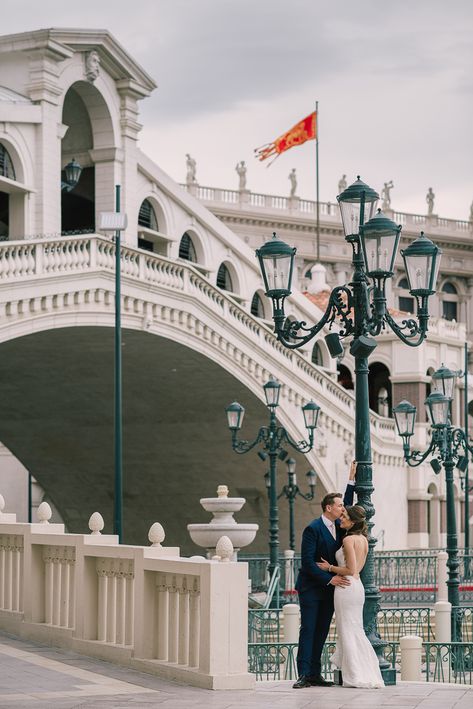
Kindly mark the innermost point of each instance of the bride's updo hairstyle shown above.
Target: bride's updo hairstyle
(357, 515)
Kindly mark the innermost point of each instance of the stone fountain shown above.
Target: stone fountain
(222, 523)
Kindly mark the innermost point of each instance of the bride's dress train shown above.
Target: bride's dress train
(354, 655)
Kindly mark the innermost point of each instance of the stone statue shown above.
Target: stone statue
(293, 181)
(386, 197)
(342, 184)
(430, 202)
(191, 170)
(471, 212)
(92, 65)
(241, 172)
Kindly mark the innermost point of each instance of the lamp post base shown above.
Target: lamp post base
(389, 676)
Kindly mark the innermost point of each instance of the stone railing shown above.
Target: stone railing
(145, 607)
(244, 199)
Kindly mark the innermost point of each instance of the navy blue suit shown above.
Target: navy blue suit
(315, 590)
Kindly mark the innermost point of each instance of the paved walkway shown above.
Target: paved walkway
(34, 676)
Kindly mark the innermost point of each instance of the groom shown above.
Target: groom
(322, 538)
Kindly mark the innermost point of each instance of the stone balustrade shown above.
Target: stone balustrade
(328, 210)
(145, 607)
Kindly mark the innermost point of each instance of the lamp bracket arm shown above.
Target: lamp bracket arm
(241, 446)
(409, 332)
(416, 458)
(295, 334)
(306, 495)
(459, 439)
(300, 446)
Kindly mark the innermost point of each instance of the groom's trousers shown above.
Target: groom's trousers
(316, 615)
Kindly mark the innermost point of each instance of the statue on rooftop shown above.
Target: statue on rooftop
(385, 194)
(342, 184)
(191, 170)
(241, 172)
(293, 181)
(471, 212)
(430, 197)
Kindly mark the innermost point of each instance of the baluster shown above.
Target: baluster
(48, 587)
(130, 604)
(173, 624)
(70, 248)
(194, 624)
(64, 595)
(8, 575)
(16, 577)
(121, 607)
(72, 605)
(162, 629)
(183, 637)
(112, 607)
(91, 253)
(7, 269)
(102, 604)
(17, 261)
(37, 253)
(57, 588)
(2, 574)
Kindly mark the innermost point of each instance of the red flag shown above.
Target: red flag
(298, 134)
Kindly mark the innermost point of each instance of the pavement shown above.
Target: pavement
(35, 676)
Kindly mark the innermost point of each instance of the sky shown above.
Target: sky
(393, 81)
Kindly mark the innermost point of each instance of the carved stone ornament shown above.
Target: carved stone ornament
(92, 65)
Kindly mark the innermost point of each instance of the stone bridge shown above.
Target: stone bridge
(189, 349)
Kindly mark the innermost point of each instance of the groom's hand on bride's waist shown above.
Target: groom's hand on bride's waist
(340, 581)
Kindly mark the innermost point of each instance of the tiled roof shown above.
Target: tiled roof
(321, 299)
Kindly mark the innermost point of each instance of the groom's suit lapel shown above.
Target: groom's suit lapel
(327, 535)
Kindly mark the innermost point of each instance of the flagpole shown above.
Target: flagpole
(317, 178)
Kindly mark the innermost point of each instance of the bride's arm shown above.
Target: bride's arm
(350, 558)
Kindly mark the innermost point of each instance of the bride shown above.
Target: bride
(354, 654)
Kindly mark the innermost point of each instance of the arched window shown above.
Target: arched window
(344, 377)
(449, 301)
(147, 216)
(224, 280)
(187, 249)
(257, 308)
(406, 301)
(317, 357)
(379, 384)
(6, 164)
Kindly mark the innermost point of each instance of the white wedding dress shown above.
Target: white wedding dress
(354, 655)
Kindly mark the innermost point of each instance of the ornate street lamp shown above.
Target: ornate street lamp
(291, 491)
(450, 447)
(72, 172)
(360, 309)
(272, 438)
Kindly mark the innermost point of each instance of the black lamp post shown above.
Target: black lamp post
(450, 447)
(273, 438)
(360, 308)
(291, 491)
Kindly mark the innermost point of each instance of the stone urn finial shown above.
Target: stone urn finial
(222, 491)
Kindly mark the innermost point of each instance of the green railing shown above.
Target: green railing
(276, 661)
(266, 625)
(449, 662)
(410, 576)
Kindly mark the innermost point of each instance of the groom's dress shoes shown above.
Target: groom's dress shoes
(302, 683)
(319, 681)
